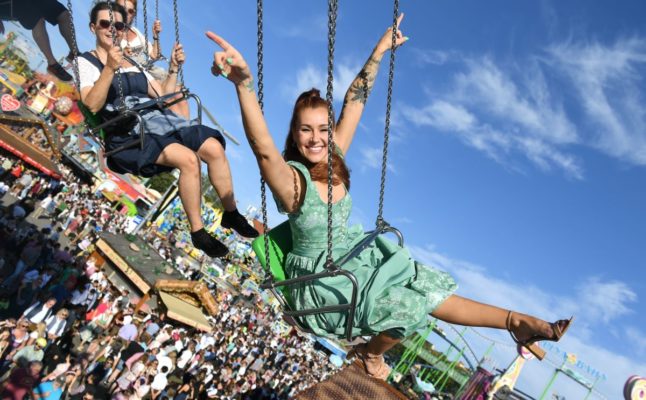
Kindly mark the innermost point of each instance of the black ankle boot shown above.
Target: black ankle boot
(211, 246)
(234, 220)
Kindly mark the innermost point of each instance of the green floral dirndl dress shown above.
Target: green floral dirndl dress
(395, 294)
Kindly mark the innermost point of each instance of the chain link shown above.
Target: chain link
(75, 61)
(263, 188)
(331, 36)
(384, 159)
(113, 30)
(145, 8)
(180, 69)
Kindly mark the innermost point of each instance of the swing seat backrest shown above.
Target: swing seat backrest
(91, 119)
(280, 244)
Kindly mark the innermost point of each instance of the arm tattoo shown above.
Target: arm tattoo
(363, 83)
(250, 85)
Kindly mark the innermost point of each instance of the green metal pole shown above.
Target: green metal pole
(489, 350)
(551, 382)
(590, 389)
(410, 355)
(447, 373)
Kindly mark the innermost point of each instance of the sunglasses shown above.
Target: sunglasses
(105, 24)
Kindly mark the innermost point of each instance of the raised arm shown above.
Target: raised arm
(281, 178)
(94, 96)
(156, 51)
(169, 85)
(358, 92)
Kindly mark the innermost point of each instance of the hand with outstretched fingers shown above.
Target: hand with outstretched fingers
(386, 41)
(229, 62)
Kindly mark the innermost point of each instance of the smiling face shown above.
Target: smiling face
(311, 134)
(131, 9)
(103, 31)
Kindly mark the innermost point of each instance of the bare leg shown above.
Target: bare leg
(190, 190)
(371, 357)
(462, 311)
(65, 29)
(181, 108)
(212, 153)
(39, 32)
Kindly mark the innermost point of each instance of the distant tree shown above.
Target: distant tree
(161, 182)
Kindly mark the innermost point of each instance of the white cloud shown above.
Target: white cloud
(638, 339)
(478, 283)
(533, 110)
(433, 57)
(608, 80)
(519, 109)
(314, 29)
(497, 144)
(442, 115)
(605, 301)
(487, 109)
(371, 158)
(316, 77)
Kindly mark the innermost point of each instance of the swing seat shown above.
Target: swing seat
(280, 243)
(95, 125)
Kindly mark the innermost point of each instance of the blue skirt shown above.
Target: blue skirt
(140, 162)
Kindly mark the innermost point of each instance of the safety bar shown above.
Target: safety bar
(132, 112)
(295, 314)
(330, 271)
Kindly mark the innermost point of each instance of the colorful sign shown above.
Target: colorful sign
(29, 160)
(635, 388)
(509, 378)
(9, 103)
(574, 361)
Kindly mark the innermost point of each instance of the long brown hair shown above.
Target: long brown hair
(312, 99)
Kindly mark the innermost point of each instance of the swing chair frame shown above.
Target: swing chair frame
(272, 247)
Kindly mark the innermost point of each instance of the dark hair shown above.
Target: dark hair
(104, 5)
(312, 99)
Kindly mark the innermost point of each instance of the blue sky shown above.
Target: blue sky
(518, 154)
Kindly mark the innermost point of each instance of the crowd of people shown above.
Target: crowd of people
(66, 331)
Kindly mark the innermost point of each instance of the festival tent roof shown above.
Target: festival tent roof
(12, 81)
(184, 312)
(13, 77)
(31, 155)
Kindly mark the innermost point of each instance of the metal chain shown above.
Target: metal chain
(384, 158)
(113, 30)
(160, 55)
(180, 69)
(263, 188)
(331, 36)
(144, 5)
(75, 61)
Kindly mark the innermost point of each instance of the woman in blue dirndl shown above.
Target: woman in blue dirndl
(107, 80)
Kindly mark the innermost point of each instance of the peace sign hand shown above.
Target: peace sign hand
(229, 63)
(386, 41)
